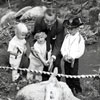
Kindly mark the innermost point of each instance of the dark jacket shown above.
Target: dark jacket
(55, 35)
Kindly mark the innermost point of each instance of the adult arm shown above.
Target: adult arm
(58, 41)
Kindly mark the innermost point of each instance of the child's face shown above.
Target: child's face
(72, 31)
(41, 40)
(21, 35)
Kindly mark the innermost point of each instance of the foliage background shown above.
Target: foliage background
(89, 15)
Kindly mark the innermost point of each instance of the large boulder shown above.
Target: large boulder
(34, 12)
(47, 90)
(8, 18)
(22, 11)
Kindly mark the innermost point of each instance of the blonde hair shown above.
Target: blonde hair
(21, 27)
(40, 34)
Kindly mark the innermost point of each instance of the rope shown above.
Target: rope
(49, 73)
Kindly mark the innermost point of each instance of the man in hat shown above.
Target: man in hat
(72, 49)
(55, 35)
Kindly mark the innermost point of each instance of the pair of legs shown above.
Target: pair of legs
(57, 63)
(35, 64)
(73, 83)
(35, 76)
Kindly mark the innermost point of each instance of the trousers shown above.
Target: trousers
(73, 83)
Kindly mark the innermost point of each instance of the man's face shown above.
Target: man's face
(49, 20)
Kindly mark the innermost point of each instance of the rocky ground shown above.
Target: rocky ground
(8, 90)
(91, 87)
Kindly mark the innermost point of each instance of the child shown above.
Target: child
(38, 56)
(16, 48)
(72, 49)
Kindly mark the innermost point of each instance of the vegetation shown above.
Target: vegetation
(86, 9)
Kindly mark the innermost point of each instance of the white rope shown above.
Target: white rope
(49, 73)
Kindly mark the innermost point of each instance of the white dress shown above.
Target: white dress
(35, 63)
(13, 46)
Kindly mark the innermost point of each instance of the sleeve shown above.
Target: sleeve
(58, 41)
(81, 48)
(64, 48)
(49, 53)
(12, 48)
(36, 48)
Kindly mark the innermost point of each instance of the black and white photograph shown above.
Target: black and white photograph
(49, 49)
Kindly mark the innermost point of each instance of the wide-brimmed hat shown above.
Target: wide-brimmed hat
(72, 23)
(40, 34)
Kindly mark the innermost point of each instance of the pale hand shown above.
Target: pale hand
(68, 58)
(47, 63)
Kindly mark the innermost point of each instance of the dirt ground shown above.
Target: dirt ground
(90, 86)
(8, 90)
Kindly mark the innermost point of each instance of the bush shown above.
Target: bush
(2, 2)
(79, 1)
(23, 3)
(93, 13)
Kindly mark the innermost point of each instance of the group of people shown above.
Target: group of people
(53, 41)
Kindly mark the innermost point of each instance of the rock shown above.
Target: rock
(34, 12)
(91, 40)
(7, 18)
(22, 11)
(47, 90)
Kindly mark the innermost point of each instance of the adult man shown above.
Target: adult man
(55, 35)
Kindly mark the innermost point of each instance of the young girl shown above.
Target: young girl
(38, 56)
(16, 48)
(72, 49)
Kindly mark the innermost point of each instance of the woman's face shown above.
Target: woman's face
(41, 40)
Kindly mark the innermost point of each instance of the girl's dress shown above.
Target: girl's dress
(35, 62)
